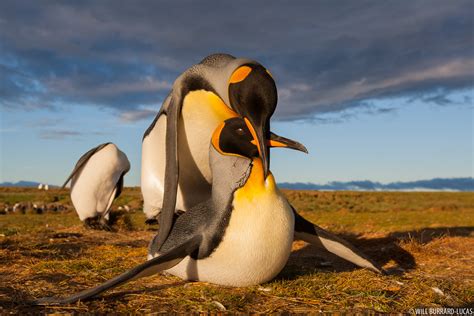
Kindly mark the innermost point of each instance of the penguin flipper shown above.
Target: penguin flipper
(119, 186)
(314, 234)
(163, 262)
(82, 161)
(173, 113)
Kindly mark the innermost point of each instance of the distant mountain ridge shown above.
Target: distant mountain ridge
(24, 184)
(437, 184)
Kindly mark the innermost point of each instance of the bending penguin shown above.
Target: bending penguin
(176, 174)
(241, 236)
(96, 181)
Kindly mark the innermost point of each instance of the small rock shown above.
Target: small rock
(219, 306)
(264, 289)
(399, 283)
(437, 290)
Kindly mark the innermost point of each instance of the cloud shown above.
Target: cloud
(137, 115)
(326, 56)
(58, 134)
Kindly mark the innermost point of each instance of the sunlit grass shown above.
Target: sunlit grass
(425, 241)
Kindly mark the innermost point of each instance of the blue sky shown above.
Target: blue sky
(376, 90)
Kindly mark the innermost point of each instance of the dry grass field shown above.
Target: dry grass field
(424, 240)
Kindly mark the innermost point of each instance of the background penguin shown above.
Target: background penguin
(175, 146)
(97, 179)
(241, 236)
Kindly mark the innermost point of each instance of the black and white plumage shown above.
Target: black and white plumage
(97, 179)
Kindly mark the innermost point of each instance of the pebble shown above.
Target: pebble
(219, 305)
(437, 290)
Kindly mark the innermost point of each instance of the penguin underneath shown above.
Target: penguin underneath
(96, 181)
(241, 236)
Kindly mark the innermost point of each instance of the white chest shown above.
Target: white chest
(255, 247)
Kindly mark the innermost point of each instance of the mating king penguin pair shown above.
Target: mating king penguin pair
(176, 171)
(96, 181)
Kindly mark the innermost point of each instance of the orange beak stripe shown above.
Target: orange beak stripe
(271, 143)
(240, 74)
(274, 143)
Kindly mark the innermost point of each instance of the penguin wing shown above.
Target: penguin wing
(119, 186)
(163, 262)
(314, 234)
(172, 110)
(83, 160)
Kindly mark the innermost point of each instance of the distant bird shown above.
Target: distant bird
(40, 186)
(97, 179)
(46, 187)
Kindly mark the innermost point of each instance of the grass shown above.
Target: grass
(424, 240)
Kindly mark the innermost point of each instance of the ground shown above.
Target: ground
(424, 240)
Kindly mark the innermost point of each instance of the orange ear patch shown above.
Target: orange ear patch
(240, 74)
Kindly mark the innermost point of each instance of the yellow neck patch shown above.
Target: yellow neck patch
(256, 185)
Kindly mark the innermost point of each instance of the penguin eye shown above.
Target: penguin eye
(240, 131)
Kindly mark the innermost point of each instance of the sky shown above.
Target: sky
(376, 90)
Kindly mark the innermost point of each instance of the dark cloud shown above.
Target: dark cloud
(326, 56)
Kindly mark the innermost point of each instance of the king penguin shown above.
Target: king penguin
(96, 181)
(241, 236)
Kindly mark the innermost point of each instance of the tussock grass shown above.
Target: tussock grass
(424, 240)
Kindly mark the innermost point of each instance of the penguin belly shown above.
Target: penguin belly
(255, 246)
(93, 186)
(202, 112)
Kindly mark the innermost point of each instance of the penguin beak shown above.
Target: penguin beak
(279, 141)
(259, 135)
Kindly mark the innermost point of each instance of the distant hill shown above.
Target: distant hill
(437, 184)
(23, 184)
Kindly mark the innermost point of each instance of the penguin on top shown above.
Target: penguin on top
(96, 181)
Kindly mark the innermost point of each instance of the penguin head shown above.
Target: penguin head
(253, 95)
(237, 137)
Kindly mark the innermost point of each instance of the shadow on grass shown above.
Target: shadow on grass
(382, 250)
